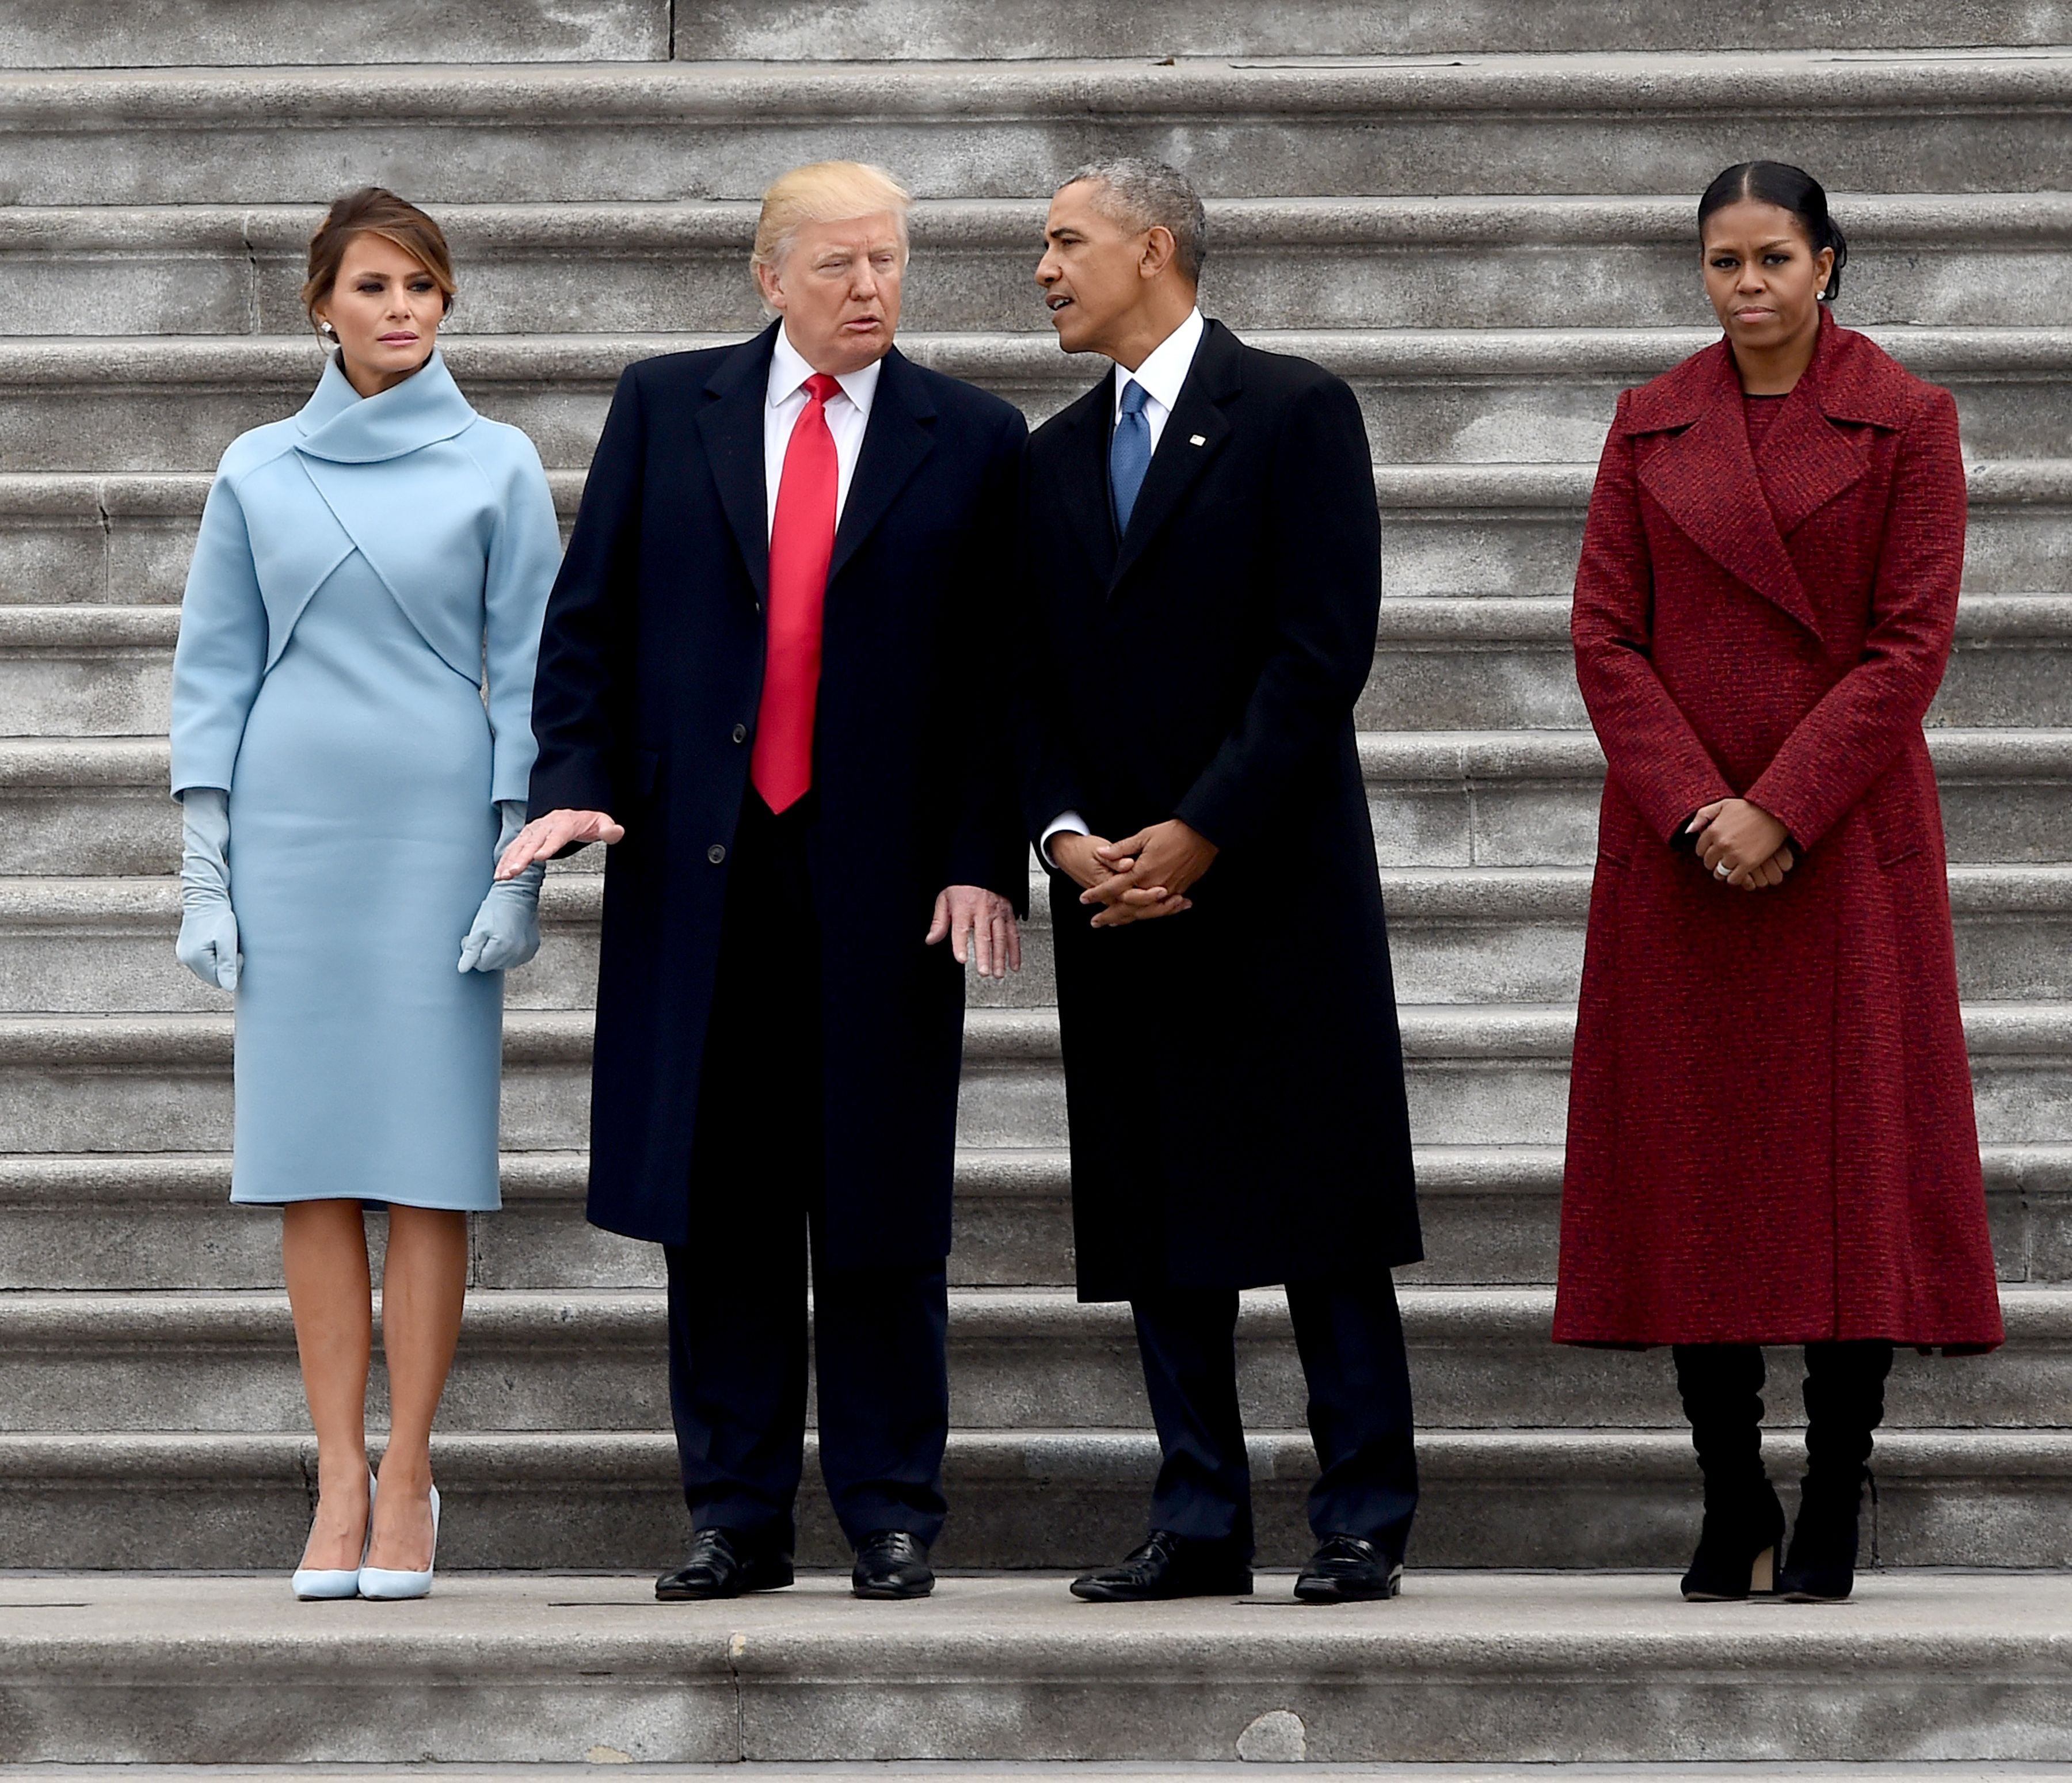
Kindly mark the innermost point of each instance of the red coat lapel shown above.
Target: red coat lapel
(1704, 477)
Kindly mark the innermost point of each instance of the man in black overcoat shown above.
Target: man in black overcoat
(764, 680)
(1203, 552)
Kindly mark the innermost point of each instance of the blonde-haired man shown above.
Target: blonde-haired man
(764, 679)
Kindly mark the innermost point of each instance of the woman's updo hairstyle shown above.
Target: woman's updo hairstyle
(375, 211)
(1790, 189)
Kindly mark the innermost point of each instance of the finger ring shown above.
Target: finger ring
(1722, 871)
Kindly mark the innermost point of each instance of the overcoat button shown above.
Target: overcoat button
(715, 854)
(740, 734)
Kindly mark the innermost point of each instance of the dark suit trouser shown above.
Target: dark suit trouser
(1350, 1337)
(737, 1325)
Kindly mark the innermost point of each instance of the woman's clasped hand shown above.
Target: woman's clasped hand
(1741, 844)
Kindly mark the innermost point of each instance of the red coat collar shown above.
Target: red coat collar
(1705, 477)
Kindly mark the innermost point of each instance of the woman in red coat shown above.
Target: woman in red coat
(1770, 1130)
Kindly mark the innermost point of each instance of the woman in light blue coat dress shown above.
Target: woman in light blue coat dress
(352, 741)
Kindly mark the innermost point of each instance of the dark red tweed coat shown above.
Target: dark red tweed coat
(1771, 1131)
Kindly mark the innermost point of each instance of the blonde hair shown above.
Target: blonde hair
(825, 192)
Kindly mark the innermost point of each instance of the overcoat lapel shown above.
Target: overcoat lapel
(1083, 453)
(1704, 479)
(731, 426)
(898, 437)
(1195, 432)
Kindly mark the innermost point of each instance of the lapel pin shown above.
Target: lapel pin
(1199, 439)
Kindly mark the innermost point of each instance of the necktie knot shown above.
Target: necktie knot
(1134, 397)
(820, 387)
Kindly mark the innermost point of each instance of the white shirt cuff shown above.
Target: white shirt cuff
(1065, 823)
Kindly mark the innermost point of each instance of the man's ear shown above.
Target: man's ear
(766, 281)
(1158, 248)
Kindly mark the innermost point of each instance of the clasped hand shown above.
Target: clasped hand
(1751, 845)
(1137, 878)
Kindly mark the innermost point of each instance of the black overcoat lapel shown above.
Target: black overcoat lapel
(731, 426)
(896, 441)
(1083, 431)
(1195, 432)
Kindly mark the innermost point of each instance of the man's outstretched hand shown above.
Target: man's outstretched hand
(545, 837)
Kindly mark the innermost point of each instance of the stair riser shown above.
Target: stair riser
(131, 969)
(1508, 822)
(1246, 137)
(130, 559)
(1505, 1236)
(515, 289)
(1476, 1511)
(587, 1369)
(239, 33)
(252, 32)
(892, 29)
(1411, 419)
(82, 691)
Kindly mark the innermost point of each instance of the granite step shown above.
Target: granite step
(91, 806)
(1478, 1075)
(1478, 934)
(162, 1220)
(255, 33)
(1447, 529)
(1626, 122)
(609, 1500)
(566, 1358)
(1466, 262)
(1440, 663)
(1429, 396)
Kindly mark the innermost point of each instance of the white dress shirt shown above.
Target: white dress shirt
(1162, 376)
(849, 414)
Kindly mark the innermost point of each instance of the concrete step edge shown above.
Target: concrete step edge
(1638, 83)
(519, 1460)
(84, 1321)
(102, 497)
(245, 362)
(1449, 757)
(993, 1038)
(1934, 220)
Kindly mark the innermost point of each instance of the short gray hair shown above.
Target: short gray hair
(1151, 195)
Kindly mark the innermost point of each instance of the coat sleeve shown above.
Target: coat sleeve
(1654, 754)
(1326, 598)
(580, 681)
(988, 848)
(523, 552)
(1837, 752)
(220, 657)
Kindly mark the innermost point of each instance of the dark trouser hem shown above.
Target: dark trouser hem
(1350, 1337)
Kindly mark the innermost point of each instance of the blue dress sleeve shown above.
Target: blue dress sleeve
(221, 655)
(524, 552)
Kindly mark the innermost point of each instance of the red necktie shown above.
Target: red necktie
(802, 542)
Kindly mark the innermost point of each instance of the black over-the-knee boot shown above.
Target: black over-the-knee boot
(1844, 1403)
(1721, 1385)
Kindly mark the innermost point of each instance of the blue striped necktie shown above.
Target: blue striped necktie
(1129, 452)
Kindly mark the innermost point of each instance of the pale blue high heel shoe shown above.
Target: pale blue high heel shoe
(386, 1585)
(313, 1583)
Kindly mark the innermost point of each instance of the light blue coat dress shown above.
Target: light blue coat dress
(355, 666)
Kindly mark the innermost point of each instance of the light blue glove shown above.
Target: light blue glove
(506, 927)
(207, 945)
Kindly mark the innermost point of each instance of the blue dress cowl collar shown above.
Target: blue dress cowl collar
(339, 424)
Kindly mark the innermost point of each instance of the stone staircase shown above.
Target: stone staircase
(1483, 222)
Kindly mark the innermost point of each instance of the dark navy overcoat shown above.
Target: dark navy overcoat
(1233, 1073)
(650, 672)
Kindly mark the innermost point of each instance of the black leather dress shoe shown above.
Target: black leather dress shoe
(1170, 1565)
(892, 1563)
(724, 1563)
(1346, 1570)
